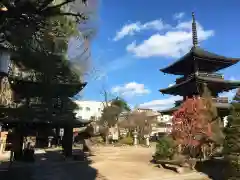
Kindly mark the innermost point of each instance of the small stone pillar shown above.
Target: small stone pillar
(2, 145)
(225, 121)
(3, 137)
(135, 135)
(147, 136)
(50, 141)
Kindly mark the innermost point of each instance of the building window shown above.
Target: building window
(88, 109)
(99, 109)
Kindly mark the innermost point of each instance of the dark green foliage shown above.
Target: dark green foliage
(112, 110)
(49, 48)
(165, 148)
(29, 17)
(211, 114)
(45, 29)
(126, 140)
(121, 103)
(232, 140)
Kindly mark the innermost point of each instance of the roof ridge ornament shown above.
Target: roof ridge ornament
(194, 31)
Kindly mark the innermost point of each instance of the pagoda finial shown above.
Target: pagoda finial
(194, 31)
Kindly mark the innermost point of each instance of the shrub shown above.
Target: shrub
(97, 140)
(232, 144)
(126, 140)
(165, 148)
(142, 140)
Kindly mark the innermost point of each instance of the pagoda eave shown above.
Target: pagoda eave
(38, 89)
(205, 61)
(60, 123)
(223, 108)
(33, 116)
(191, 86)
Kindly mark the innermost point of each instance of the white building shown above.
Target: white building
(165, 119)
(89, 109)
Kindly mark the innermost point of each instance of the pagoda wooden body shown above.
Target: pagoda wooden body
(200, 67)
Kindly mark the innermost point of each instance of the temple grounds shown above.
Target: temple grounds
(132, 163)
(108, 163)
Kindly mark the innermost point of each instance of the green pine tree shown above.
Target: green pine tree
(232, 140)
(212, 115)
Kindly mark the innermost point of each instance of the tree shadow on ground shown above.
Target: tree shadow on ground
(49, 166)
(214, 168)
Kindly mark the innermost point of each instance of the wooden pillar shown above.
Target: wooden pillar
(18, 142)
(68, 140)
(57, 136)
(3, 138)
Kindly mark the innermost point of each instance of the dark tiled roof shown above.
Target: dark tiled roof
(206, 61)
(218, 106)
(190, 85)
(34, 89)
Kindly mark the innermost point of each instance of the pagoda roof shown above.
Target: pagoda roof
(39, 116)
(218, 105)
(61, 123)
(29, 88)
(191, 84)
(200, 59)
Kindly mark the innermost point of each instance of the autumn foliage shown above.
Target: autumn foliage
(191, 126)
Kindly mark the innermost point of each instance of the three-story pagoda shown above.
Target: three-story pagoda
(199, 67)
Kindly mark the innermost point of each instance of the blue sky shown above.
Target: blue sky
(135, 38)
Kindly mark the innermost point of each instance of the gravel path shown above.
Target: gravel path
(132, 163)
(109, 163)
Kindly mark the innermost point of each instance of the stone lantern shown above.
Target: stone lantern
(135, 135)
(50, 138)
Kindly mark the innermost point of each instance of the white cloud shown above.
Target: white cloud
(179, 15)
(229, 94)
(131, 29)
(131, 89)
(161, 104)
(173, 43)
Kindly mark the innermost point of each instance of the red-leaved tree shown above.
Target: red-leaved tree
(190, 124)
